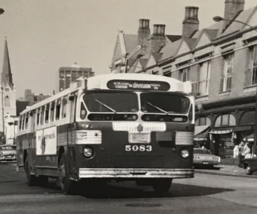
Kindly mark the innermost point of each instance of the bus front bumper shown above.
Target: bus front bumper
(135, 173)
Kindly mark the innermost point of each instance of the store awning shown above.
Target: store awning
(250, 138)
(224, 131)
(201, 133)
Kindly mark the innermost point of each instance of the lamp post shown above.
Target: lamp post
(218, 19)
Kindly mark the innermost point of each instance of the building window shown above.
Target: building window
(204, 78)
(225, 120)
(184, 74)
(226, 81)
(251, 71)
(247, 118)
(202, 121)
(7, 101)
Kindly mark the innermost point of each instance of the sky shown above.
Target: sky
(44, 35)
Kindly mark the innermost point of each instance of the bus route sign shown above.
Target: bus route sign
(138, 84)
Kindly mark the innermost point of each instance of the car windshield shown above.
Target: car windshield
(202, 151)
(164, 103)
(111, 102)
(7, 148)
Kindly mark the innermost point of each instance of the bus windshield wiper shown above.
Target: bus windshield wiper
(161, 110)
(106, 106)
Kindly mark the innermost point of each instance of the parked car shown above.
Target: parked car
(250, 165)
(7, 153)
(203, 157)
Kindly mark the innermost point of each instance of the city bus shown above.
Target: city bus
(122, 127)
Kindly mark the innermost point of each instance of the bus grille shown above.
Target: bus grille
(184, 138)
(136, 127)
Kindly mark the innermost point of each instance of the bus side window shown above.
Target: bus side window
(20, 122)
(23, 122)
(52, 111)
(58, 108)
(26, 120)
(38, 113)
(64, 106)
(46, 113)
(42, 115)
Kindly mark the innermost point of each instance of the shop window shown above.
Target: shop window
(225, 120)
(247, 118)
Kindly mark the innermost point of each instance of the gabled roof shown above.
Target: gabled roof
(190, 42)
(174, 38)
(233, 27)
(170, 50)
(130, 42)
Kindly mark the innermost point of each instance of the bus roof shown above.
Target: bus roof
(125, 81)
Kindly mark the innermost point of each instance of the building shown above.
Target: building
(221, 62)
(8, 98)
(32, 98)
(66, 75)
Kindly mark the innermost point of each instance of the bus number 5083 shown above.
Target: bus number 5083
(140, 148)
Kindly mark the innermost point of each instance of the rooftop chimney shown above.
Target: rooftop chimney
(232, 8)
(191, 22)
(158, 38)
(143, 31)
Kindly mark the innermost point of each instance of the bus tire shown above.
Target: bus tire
(31, 179)
(68, 186)
(42, 180)
(162, 186)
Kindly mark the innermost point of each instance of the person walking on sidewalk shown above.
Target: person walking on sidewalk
(240, 156)
(235, 156)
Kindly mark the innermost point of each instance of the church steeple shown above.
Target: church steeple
(6, 71)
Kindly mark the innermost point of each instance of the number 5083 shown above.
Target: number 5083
(140, 148)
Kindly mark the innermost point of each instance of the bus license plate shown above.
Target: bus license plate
(206, 163)
(139, 138)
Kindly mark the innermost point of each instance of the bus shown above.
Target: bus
(121, 127)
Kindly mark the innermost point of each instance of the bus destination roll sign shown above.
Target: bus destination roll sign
(137, 84)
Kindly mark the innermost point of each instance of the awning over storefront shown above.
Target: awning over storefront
(250, 138)
(201, 133)
(224, 131)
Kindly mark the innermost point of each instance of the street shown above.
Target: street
(202, 194)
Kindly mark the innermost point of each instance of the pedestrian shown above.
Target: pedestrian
(236, 156)
(240, 157)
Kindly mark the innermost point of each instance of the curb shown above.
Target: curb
(225, 174)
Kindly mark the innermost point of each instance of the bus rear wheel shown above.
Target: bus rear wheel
(68, 186)
(31, 179)
(162, 186)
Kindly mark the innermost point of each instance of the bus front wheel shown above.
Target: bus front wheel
(31, 179)
(162, 186)
(68, 186)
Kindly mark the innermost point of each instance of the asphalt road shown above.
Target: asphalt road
(202, 194)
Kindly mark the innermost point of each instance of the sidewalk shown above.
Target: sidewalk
(226, 170)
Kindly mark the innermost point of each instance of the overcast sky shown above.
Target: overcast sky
(44, 35)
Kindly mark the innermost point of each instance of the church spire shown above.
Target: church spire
(6, 71)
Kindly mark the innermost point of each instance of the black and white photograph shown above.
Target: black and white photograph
(128, 106)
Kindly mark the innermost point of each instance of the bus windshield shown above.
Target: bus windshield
(164, 103)
(111, 102)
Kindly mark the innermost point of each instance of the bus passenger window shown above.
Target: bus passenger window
(23, 121)
(26, 121)
(64, 106)
(38, 111)
(58, 108)
(52, 112)
(47, 113)
(42, 115)
(20, 122)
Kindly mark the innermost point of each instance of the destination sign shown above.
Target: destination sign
(138, 84)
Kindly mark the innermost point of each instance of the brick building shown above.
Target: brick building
(66, 75)
(221, 62)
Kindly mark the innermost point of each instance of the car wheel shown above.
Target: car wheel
(248, 170)
(68, 186)
(162, 186)
(31, 179)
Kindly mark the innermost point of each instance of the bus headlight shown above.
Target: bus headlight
(88, 152)
(184, 153)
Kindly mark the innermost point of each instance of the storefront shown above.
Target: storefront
(201, 136)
